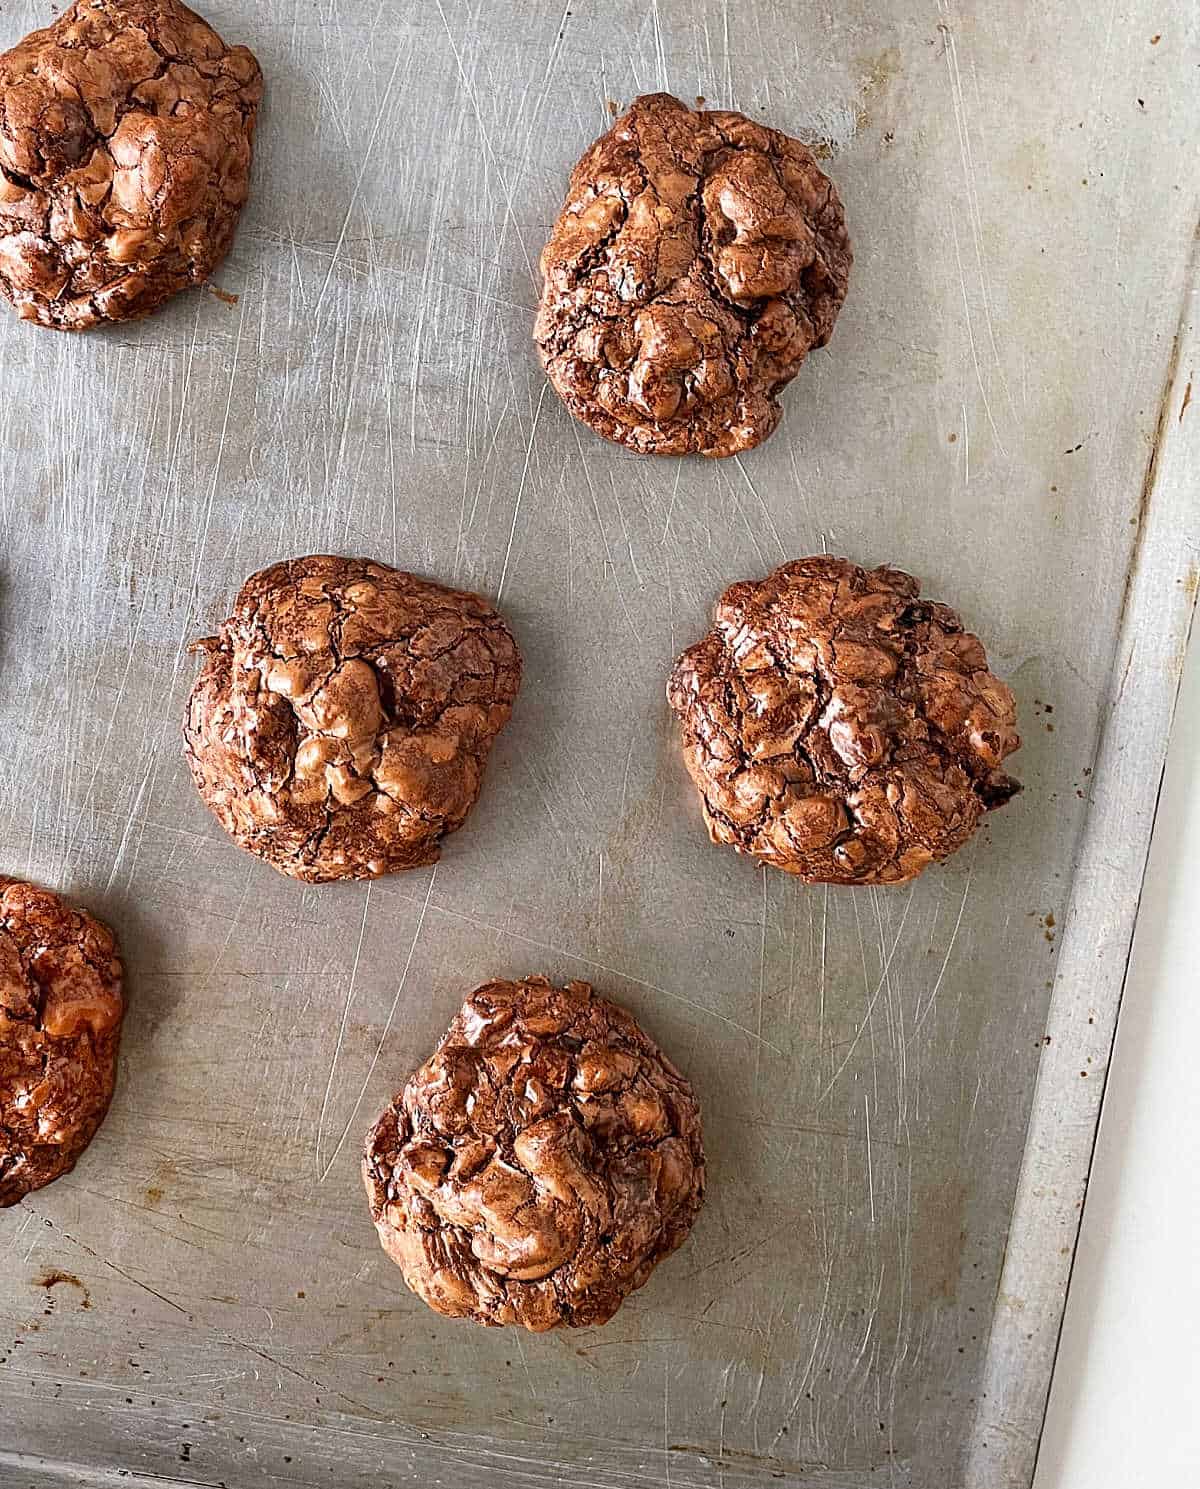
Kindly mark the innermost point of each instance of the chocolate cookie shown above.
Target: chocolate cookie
(538, 1168)
(696, 261)
(125, 133)
(342, 719)
(841, 728)
(60, 1022)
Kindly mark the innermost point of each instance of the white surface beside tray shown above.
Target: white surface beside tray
(1123, 1404)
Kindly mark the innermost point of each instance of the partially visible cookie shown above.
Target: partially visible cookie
(696, 261)
(61, 1006)
(343, 716)
(841, 728)
(125, 133)
(541, 1164)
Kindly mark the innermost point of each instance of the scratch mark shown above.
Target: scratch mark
(489, 151)
(666, 1399)
(202, 543)
(974, 1104)
(821, 996)
(271, 1359)
(341, 1034)
(233, 926)
(762, 980)
(358, 181)
(660, 58)
(525, 1366)
(134, 810)
(671, 507)
(558, 41)
(798, 1396)
(872, 1314)
(870, 1164)
(724, 1408)
(729, 95)
(928, 1009)
(387, 1022)
(737, 460)
(19, 1232)
(866, 1019)
(746, 523)
(739, 1255)
(573, 956)
(599, 892)
(956, 93)
(512, 532)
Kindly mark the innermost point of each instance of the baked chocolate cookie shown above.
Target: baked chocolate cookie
(341, 722)
(61, 1007)
(538, 1168)
(125, 132)
(697, 260)
(841, 728)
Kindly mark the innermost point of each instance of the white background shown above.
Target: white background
(1123, 1408)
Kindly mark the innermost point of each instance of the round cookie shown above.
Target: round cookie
(537, 1169)
(841, 728)
(125, 131)
(341, 722)
(697, 260)
(61, 1007)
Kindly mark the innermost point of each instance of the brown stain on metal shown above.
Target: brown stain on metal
(164, 1175)
(939, 1210)
(879, 70)
(726, 1457)
(1187, 398)
(1160, 426)
(53, 1277)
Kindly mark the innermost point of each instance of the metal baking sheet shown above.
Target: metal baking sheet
(1003, 411)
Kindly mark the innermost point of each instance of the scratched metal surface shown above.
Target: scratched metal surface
(1017, 178)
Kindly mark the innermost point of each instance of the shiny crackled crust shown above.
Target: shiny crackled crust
(841, 728)
(341, 722)
(60, 1022)
(125, 134)
(541, 1164)
(697, 260)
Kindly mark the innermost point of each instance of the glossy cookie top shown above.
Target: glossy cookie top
(697, 260)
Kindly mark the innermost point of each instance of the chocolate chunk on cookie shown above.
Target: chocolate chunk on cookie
(697, 260)
(125, 131)
(61, 1006)
(341, 722)
(841, 728)
(538, 1168)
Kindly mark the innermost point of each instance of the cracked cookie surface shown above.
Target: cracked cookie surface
(541, 1164)
(61, 1006)
(697, 260)
(341, 722)
(841, 728)
(125, 140)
